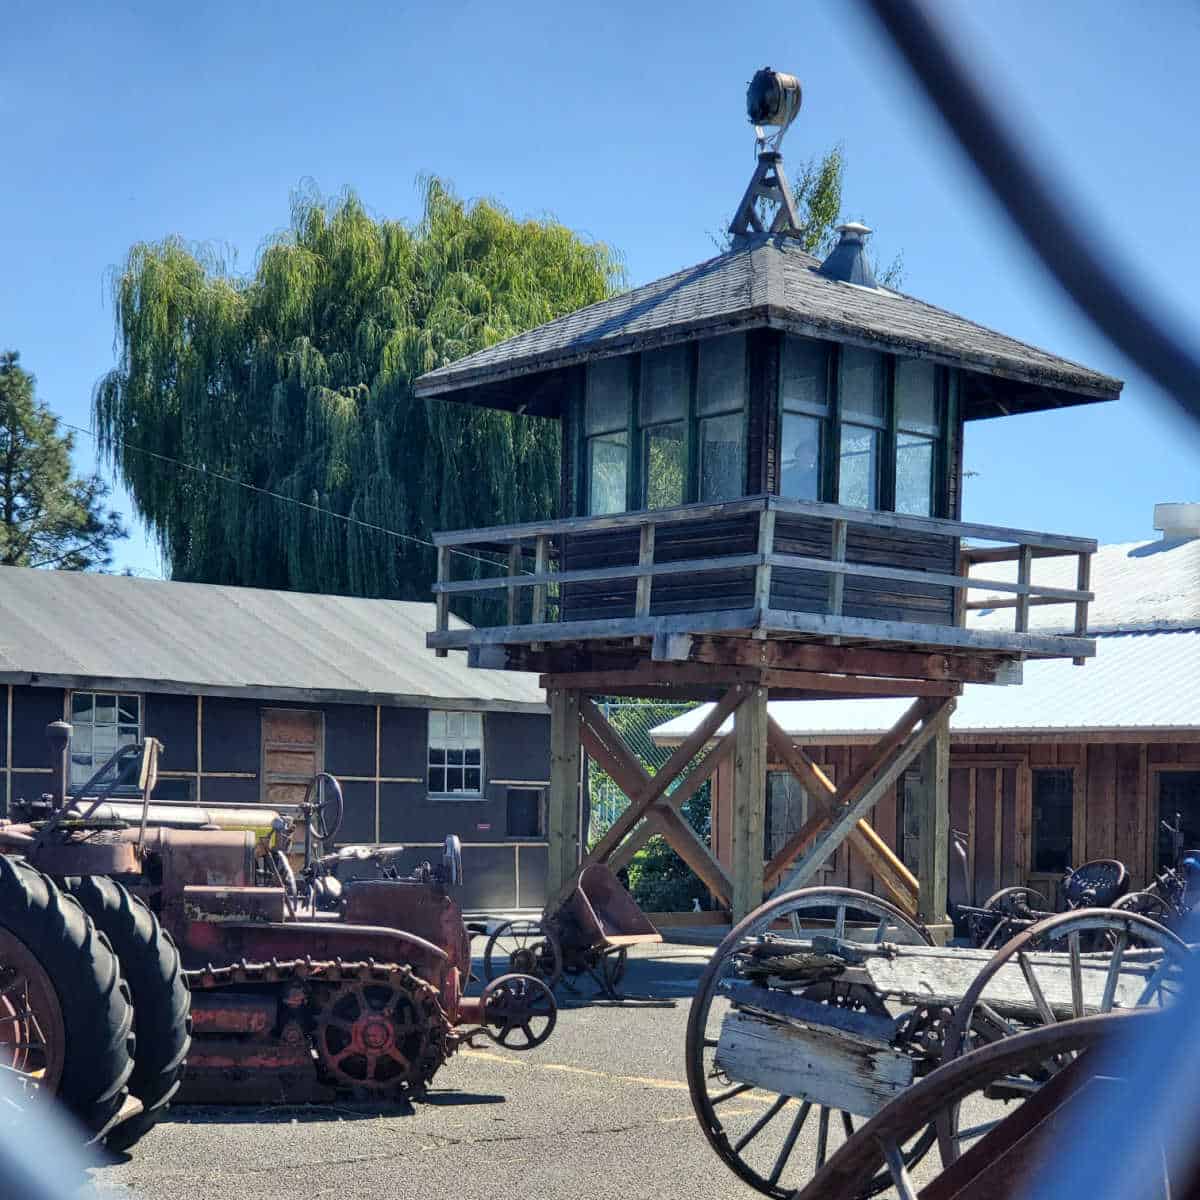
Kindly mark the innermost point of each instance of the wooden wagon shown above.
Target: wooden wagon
(826, 1007)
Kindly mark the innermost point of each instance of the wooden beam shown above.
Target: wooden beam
(891, 755)
(649, 788)
(881, 860)
(853, 660)
(934, 803)
(645, 559)
(684, 840)
(749, 802)
(563, 831)
(688, 786)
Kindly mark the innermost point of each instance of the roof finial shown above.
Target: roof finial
(773, 98)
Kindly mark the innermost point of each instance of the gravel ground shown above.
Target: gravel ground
(601, 1110)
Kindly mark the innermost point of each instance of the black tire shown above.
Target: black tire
(161, 1001)
(96, 1008)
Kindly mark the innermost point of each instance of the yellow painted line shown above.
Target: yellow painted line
(671, 1085)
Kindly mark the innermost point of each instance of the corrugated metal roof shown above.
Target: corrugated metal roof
(769, 281)
(1139, 586)
(1136, 682)
(69, 628)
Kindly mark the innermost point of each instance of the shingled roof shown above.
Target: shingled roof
(766, 282)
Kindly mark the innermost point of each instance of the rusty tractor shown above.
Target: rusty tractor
(137, 935)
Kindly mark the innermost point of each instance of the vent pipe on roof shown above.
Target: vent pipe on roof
(1177, 520)
(847, 261)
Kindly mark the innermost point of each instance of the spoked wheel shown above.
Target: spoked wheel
(32, 1035)
(965, 1083)
(1147, 904)
(381, 1037)
(523, 948)
(1011, 903)
(770, 1127)
(1074, 965)
(522, 1010)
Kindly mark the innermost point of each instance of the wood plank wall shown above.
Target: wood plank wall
(1115, 811)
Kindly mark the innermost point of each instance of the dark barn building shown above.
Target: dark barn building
(253, 691)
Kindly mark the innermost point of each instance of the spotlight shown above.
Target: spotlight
(772, 98)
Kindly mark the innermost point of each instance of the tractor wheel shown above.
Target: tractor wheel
(161, 1000)
(60, 981)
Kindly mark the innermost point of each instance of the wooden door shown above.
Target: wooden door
(292, 753)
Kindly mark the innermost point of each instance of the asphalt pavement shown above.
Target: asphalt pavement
(600, 1110)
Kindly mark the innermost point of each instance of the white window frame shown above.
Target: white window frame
(77, 726)
(450, 731)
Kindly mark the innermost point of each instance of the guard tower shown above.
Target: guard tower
(760, 496)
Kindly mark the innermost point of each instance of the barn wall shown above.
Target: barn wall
(213, 753)
(1115, 809)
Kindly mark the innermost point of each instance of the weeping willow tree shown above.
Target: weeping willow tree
(298, 379)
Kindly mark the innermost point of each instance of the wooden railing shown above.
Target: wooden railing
(836, 526)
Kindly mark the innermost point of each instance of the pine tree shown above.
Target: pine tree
(298, 380)
(48, 516)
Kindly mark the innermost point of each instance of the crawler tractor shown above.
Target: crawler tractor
(136, 937)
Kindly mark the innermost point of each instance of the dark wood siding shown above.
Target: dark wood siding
(762, 425)
(172, 719)
(34, 709)
(350, 739)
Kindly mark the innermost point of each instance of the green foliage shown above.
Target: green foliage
(48, 516)
(298, 380)
(658, 878)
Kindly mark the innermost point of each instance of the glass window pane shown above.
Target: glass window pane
(608, 394)
(721, 385)
(437, 727)
(454, 757)
(916, 395)
(1053, 807)
(858, 481)
(472, 758)
(127, 735)
(721, 457)
(914, 474)
(106, 710)
(437, 779)
(473, 726)
(81, 743)
(663, 466)
(608, 466)
(471, 779)
(104, 742)
(665, 384)
(800, 460)
(81, 707)
(861, 383)
(454, 779)
(437, 756)
(127, 710)
(454, 725)
(804, 375)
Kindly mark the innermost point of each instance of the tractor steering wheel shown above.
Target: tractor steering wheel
(324, 818)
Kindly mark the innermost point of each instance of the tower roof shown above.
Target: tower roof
(767, 281)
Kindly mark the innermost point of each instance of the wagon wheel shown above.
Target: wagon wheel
(32, 1034)
(1050, 973)
(1148, 904)
(769, 1138)
(1011, 903)
(968, 1079)
(523, 948)
(523, 1010)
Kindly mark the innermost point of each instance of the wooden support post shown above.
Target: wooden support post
(1083, 584)
(749, 801)
(766, 547)
(563, 818)
(645, 559)
(541, 560)
(1024, 571)
(443, 598)
(514, 569)
(837, 581)
(934, 801)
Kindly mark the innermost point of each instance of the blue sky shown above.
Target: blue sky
(130, 121)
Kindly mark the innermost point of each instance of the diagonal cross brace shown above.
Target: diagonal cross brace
(872, 786)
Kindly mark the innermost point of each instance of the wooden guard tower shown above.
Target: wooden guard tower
(760, 497)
